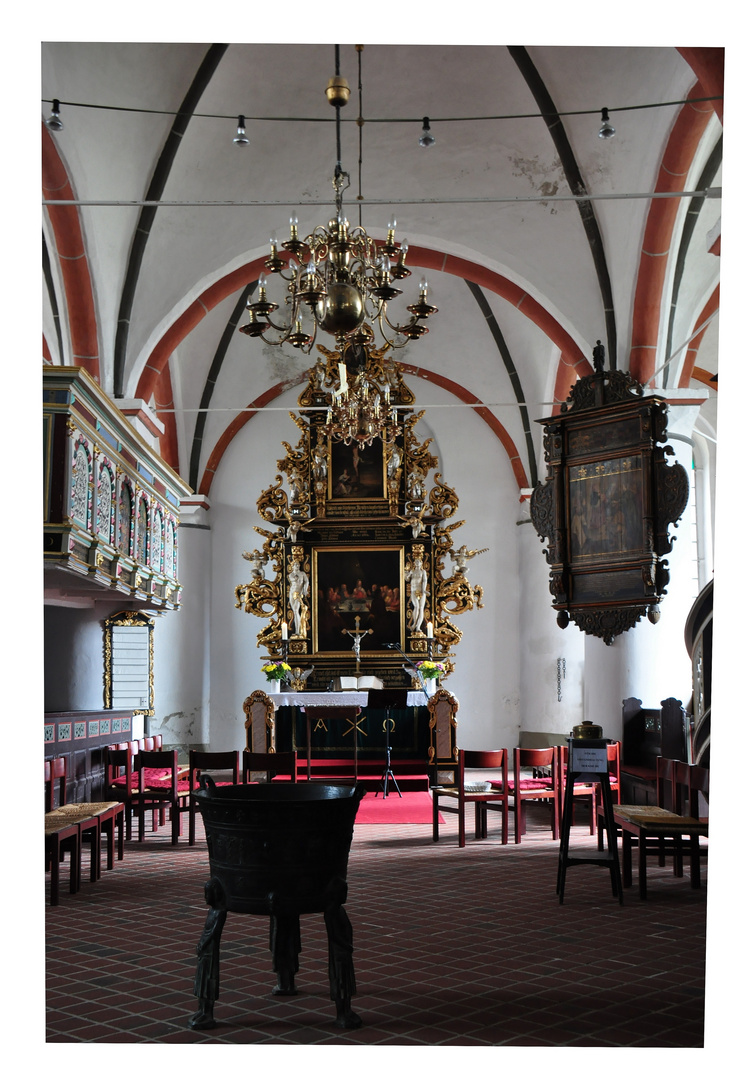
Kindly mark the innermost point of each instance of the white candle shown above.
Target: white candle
(429, 629)
(284, 631)
(343, 375)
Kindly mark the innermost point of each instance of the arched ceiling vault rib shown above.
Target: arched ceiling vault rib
(578, 187)
(682, 145)
(688, 370)
(168, 442)
(148, 213)
(708, 65)
(695, 207)
(71, 253)
(210, 383)
(572, 363)
(511, 371)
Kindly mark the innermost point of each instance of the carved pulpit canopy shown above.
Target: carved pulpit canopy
(607, 503)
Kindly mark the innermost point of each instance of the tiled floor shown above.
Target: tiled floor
(464, 948)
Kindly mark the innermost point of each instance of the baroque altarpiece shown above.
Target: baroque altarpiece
(359, 564)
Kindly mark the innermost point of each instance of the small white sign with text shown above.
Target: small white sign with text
(591, 759)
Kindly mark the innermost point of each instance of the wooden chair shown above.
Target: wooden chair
(89, 824)
(485, 794)
(544, 787)
(60, 838)
(259, 726)
(95, 819)
(666, 800)
(661, 829)
(614, 777)
(121, 779)
(269, 766)
(160, 787)
(691, 796)
(201, 761)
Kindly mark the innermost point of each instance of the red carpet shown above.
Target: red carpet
(414, 808)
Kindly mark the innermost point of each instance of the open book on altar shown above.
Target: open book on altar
(363, 682)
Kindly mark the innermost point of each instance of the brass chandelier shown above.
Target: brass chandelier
(343, 279)
(339, 280)
(362, 410)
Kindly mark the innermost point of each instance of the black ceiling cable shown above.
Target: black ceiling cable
(383, 119)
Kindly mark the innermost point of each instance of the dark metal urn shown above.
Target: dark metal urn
(279, 850)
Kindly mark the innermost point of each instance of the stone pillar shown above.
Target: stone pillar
(551, 659)
(182, 638)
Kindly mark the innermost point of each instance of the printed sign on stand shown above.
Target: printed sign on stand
(592, 759)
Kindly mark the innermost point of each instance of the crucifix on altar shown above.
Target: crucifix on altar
(357, 635)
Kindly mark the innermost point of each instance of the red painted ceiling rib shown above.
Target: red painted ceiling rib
(685, 137)
(71, 253)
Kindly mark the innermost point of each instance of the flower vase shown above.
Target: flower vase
(274, 686)
(430, 687)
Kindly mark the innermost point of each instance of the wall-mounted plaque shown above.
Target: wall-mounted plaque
(607, 503)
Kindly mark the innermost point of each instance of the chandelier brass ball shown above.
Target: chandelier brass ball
(342, 310)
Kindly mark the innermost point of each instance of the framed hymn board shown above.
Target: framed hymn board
(607, 504)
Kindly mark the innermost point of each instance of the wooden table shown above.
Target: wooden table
(641, 823)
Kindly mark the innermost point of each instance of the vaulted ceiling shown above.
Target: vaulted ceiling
(537, 237)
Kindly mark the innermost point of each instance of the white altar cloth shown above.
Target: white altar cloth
(340, 698)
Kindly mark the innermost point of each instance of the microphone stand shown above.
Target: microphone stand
(416, 672)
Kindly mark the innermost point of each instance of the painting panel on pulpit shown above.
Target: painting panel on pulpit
(606, 508)
(358, 590)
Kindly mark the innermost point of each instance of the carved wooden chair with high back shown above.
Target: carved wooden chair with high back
(485, 793)
(259, 726)
(442, 752)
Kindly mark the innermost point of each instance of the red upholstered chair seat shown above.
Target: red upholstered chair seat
(154, 778)
(541, 783)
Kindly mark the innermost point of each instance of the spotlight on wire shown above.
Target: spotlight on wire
(426, 139)
(241, 135)
(607, 131)
(53, 122)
